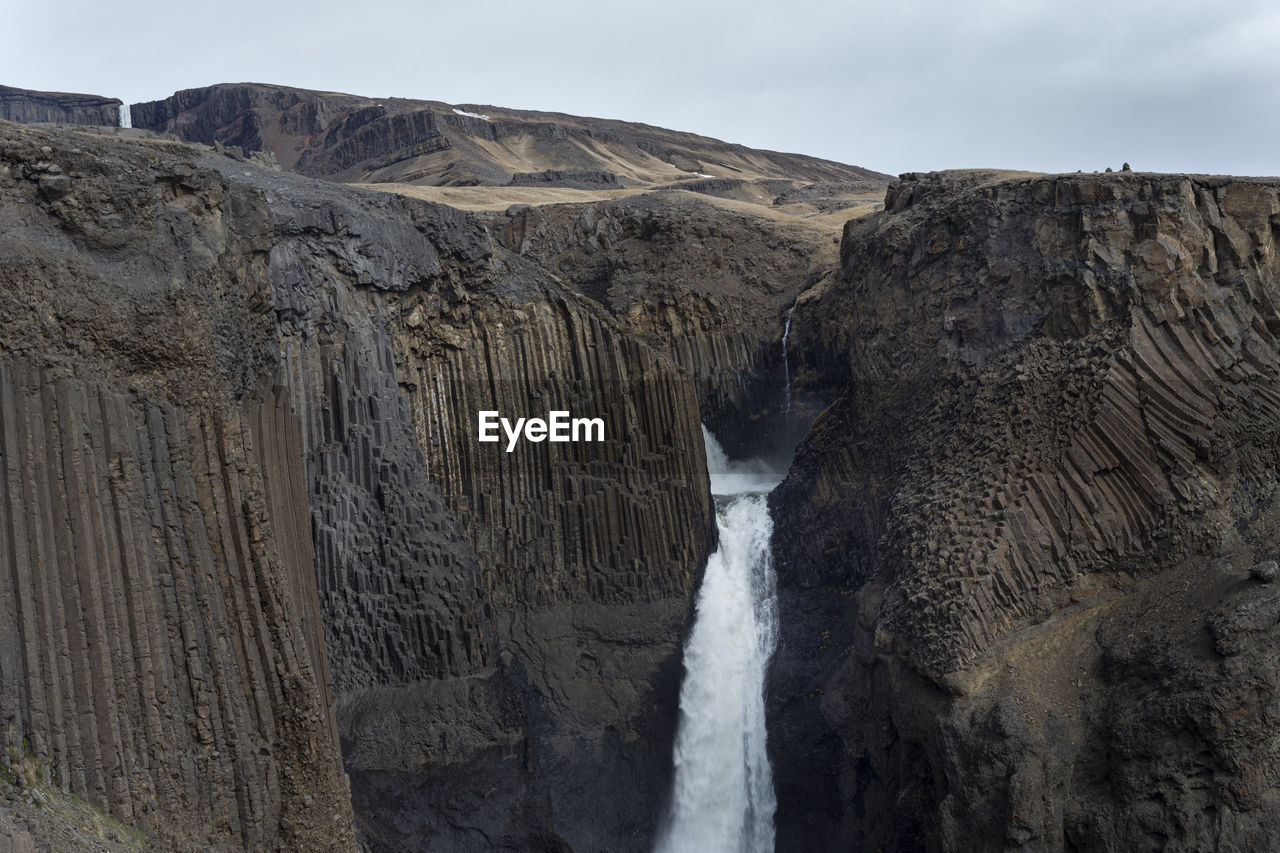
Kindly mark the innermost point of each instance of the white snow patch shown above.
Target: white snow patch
(700, 175)
(470, 115)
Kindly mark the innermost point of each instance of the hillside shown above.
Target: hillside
(428, 142)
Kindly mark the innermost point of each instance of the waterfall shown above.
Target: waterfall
(126, 118)
(786, 364)
(722, 797)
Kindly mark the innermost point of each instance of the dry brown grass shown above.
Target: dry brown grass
(486, 198)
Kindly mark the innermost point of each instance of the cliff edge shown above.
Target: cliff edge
(1015, 555)
(30, 107)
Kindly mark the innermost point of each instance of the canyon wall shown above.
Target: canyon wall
(162, 651)
(500, 622)
(262, 390)
(706, 283)
(1014, 556)
(245, 517)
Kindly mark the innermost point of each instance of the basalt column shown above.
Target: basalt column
(590, 550)
(160, 650)
(1017, 551)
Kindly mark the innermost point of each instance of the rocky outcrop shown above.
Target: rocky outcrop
(248, 374)
(1014, 556)
(162, 651)
(825, 196)
(238, 115)
(474, 597)
(706, 284)
(30, 107)
(578, 178)
(398, 579)
(350, 138)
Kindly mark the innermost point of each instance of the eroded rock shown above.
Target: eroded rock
(1059, 397)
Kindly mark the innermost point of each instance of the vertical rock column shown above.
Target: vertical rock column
(152, 658)
(398, 582)
(627, 519)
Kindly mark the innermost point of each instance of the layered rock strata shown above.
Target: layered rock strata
(1014, 556)
(351, 138)
(29, 107)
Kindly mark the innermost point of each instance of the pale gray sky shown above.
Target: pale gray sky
(1175, 85)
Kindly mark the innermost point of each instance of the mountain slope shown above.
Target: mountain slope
(379, 140)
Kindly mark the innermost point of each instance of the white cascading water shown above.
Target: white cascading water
(786, 363)
(722, 798)
(126, 117)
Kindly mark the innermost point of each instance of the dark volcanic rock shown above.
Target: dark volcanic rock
(500, 638)
(579, 178)
(247, 374)
(244, 515)
(1022, 537)
(161, 650)
(350, 138)
(709, 286)
(29, 107)
(1266, 571)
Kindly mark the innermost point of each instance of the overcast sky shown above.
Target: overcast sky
(902, 86)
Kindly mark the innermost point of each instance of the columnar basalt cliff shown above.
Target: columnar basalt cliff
(247, 350)
(1015, 555)
(27, 106)
(707, 284)
(245, 517)
(473, 596)
(162, 652)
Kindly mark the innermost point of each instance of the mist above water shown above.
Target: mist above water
(737, 477)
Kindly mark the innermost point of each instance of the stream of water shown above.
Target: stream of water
(722, 796)
(786, 360)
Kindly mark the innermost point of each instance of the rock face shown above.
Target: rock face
(1025, 555)
(498, 622)
(1014, 555)
(27, 106)
(707, 284)
(350, 138)
(219, 376)
(161, 648)
(568, 178)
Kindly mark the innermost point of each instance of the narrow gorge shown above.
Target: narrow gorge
(262, 588)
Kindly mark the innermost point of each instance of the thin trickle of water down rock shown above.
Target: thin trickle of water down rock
(722, 798)
(786, 361)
